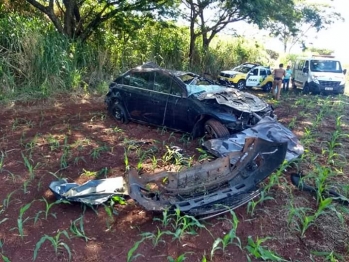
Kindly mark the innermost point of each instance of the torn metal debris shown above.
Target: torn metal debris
(204, 190)
(92, 192)
(210, 188)
(267, 128)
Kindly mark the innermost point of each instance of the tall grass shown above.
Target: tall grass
(36, 61)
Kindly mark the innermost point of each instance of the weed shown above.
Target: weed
(56, 242)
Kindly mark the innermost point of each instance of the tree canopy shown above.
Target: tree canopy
(79, 19)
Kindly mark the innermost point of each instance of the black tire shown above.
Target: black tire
(215, 129)
(118, 112)
(267, 87)
(241, 84)
(306, 89)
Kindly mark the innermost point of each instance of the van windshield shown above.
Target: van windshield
(325, 66)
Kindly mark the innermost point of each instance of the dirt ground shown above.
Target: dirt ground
(74, 138)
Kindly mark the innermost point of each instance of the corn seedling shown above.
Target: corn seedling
(259, 252)
(109, 210)
(2, 158)
(30, 167)
(20, 220)
(78, 160)
(96, 152)
(89, 173)
(77, 228)
(56, 242)
(204, 155)
(251, 206)
(127, 164)
(180, 258)
(130, 256)
(185, 225)
(222, 243)
(328, 256)
(48, 206)
(7, 200)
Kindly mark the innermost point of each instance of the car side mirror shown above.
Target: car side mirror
(345, 71)
(305, 70)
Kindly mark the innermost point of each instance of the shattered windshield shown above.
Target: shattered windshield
(331, 66)
(196, 89)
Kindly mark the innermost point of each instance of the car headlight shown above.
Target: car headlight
(315, 79)
(232, 76)
(342, 81)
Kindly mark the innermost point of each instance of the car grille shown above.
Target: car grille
(329, 83)
(224, 75)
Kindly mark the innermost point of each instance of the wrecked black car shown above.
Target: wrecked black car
(183, 101)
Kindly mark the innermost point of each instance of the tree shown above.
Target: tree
(293, 26)
(224, 12)
(321, 51)
(79, 19)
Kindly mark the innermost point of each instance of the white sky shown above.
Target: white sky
(335, 38)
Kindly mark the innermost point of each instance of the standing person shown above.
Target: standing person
(278, 76)
(286, 81)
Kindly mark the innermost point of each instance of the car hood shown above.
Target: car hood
(233, 72)
(231, 97)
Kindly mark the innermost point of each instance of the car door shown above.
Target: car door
(304, 73)
(253, 78)
(179, 115)
(299, 72)
(138, 87)
(262, 77)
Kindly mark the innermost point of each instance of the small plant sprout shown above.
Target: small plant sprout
(56, 242)
(21, 220)
(229, 238)
(259, 252)
(251, 206)
(77, 228)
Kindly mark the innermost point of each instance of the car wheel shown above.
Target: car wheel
(306, 89)
(267, 87)
(118, 112)
(241, 84)
(215, 129)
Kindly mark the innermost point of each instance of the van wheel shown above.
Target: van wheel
(215, 129)
(306, 89)
(267, 87)
(241, 84)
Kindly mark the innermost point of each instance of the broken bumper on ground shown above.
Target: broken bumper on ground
(268, 129)
(211, 188)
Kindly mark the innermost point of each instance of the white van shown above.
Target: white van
(319, 74)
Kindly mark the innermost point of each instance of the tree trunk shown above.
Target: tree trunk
(69, 21)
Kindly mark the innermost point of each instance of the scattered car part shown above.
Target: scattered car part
(297, 180)
(93, 192)
(268, 129)
(213, 187)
